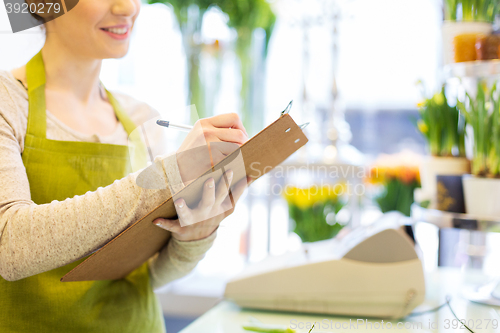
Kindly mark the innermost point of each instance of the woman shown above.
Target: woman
(67, 187)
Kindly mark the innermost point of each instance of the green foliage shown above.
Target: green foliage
(315, 223)
(472, 10)
(244, 16)
(397, 196)
(262, 328)
(442, 125)
(248, 15)
(482, 114)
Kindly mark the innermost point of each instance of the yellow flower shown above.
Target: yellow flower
(338, 190)
(421, 104)
(485, 87)
(307, 197)
(297, 196)
(378, 175)
(289, 194)
(422, 126)
(438, 98)
(331, 192)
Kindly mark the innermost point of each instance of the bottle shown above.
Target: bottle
(464, 47)
(487, 47)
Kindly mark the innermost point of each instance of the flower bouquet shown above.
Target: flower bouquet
(397, 177)
(314, 210)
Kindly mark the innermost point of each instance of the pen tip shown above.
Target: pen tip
(164, 123)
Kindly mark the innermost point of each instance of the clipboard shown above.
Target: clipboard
(140, 241)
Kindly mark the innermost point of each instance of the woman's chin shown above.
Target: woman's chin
(116, 54)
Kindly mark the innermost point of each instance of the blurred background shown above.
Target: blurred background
(352, 69)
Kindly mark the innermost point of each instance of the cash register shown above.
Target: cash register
(371, 271)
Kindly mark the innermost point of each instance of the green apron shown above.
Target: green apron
(58, 170)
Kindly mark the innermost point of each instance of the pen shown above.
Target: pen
(166, 123)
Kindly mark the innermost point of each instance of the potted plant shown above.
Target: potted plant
(443, 127)
(482, 188)
(396, 177)
(466, 16)
(313, 211)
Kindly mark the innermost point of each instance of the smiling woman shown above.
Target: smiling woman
(67, 187)
(91, 23)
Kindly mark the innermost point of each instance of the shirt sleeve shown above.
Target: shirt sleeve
(177, 259)
(38, 238)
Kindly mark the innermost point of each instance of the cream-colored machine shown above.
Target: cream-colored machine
(370, 272)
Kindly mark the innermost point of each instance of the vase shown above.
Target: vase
(481, 196)
(431, 167)
(450, 29)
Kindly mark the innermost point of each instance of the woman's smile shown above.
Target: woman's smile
(119, 32)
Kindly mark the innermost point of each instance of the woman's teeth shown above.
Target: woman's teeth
(118, 31)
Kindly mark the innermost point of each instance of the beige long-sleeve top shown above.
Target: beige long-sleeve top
(37, 238)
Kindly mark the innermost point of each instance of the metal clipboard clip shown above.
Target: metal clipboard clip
(287, 111)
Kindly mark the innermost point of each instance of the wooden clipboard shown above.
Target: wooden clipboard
(139, 242)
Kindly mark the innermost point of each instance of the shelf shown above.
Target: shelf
(472, 69)
(443, 219)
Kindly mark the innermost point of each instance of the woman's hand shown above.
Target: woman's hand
(210, 140)
(215, 205)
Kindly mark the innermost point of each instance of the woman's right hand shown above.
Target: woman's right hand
(210, 140)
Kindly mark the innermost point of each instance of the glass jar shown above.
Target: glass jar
(487, 47)
(464, 47)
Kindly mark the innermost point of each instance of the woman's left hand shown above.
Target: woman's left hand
(214, 206)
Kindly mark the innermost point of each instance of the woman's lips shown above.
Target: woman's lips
(119, 33)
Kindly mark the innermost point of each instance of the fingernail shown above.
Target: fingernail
(230, 175)
(179, 204)
(157, 222)
(211, 183)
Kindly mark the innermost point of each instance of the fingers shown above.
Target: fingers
(170, 225)
(208, 197)
(213, 199)
(250, 180)
(231, 135)
(236, 192)
(183, 213)
(223, 187)
(228, 120)
(239, 189)
(225, 148)
(219, 150)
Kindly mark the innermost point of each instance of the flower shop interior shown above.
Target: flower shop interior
(399, 102)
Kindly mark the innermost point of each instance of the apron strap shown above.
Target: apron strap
(37, 116)
(140, 155)
(127, 123)
(37, 123)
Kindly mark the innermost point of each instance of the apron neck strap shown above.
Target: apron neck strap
(37, 115)
(35, 76)
(126, 122)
